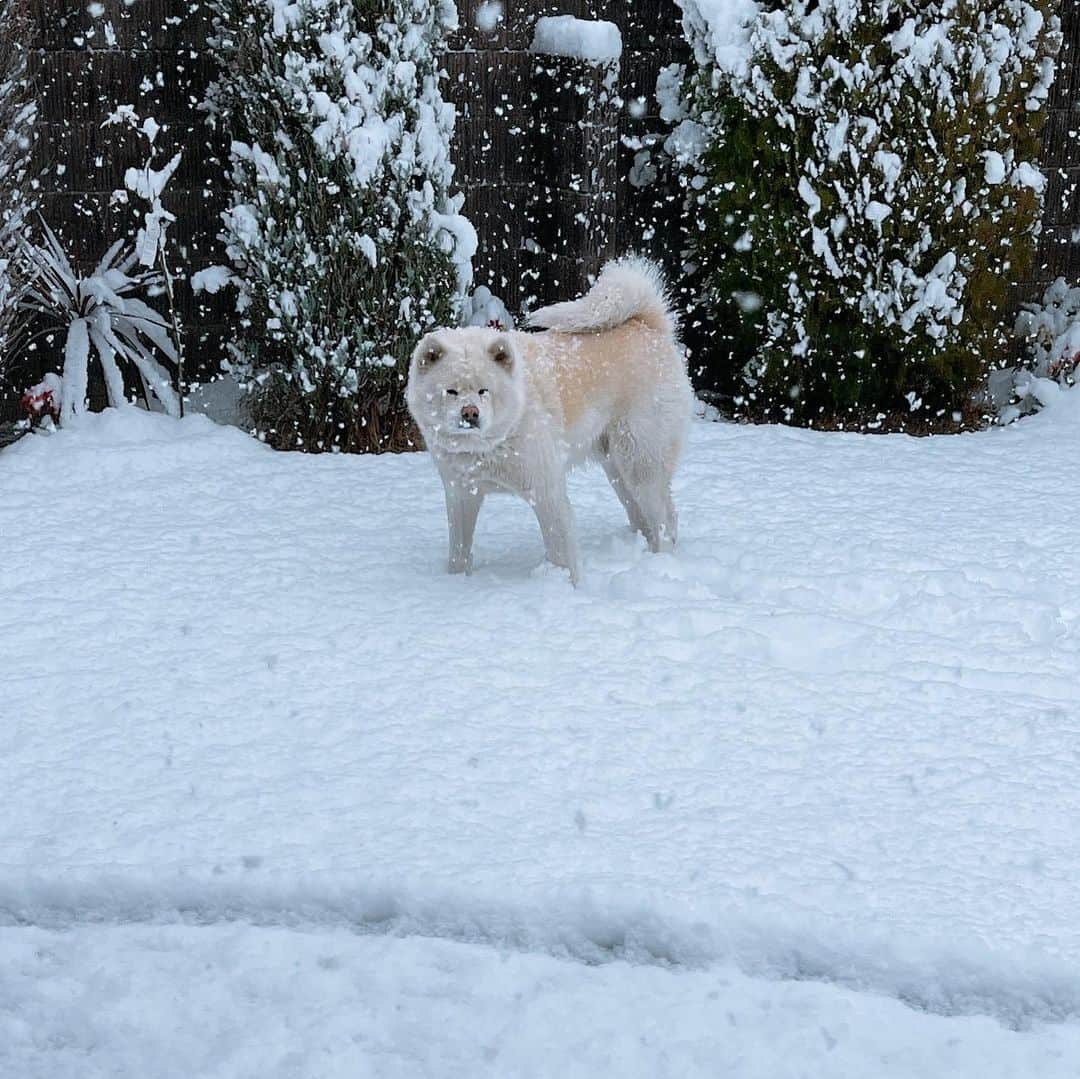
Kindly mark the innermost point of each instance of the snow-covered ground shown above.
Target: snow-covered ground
(280, 798)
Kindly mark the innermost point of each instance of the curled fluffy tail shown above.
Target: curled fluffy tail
(626, 288)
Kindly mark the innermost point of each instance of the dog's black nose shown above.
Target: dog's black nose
(470, 416)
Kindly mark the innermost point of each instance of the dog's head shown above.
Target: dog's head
(466, 388)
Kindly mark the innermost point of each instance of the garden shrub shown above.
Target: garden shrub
(862, 189)
(344, 241)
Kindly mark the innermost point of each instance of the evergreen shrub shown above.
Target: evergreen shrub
(862, 191)
(344, 241)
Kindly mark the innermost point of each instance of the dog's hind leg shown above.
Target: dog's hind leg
(462, 510)
(645, 475)
(651, 489)
(669, 519)
(618, 484)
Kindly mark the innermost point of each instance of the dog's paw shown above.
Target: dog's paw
(549, 569)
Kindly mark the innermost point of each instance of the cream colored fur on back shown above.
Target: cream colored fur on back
(513, 411)
(595, 379)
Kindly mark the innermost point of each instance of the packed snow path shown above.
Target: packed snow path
(820, 762)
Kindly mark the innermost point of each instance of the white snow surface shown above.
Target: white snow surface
(284, 799)
(582, 39)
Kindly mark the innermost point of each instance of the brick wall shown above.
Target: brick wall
(1059, 244)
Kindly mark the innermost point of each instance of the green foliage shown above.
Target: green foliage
(344, 241)
(867, 195)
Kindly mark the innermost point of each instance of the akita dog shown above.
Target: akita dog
(511, 411)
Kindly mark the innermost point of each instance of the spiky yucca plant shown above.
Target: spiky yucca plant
(100, 312)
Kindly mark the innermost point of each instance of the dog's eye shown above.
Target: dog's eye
(484, 393)
(451, 393)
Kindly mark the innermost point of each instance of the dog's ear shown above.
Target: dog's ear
(502, 352)
(428, 352)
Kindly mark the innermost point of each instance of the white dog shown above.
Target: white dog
(514, 411)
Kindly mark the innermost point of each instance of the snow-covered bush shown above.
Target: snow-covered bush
(1051, 332)
(345, 242)
(862, 188)
(102, 312)
(484, 309)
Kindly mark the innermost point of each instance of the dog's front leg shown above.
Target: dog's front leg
(552, 508)
(462, 509)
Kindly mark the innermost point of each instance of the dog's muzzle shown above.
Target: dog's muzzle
(470, 416)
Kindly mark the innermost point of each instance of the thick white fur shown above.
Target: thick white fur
(606, 382)
(626, 288)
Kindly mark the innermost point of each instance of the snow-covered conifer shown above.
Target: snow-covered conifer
(862, 187)
(345, 241)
